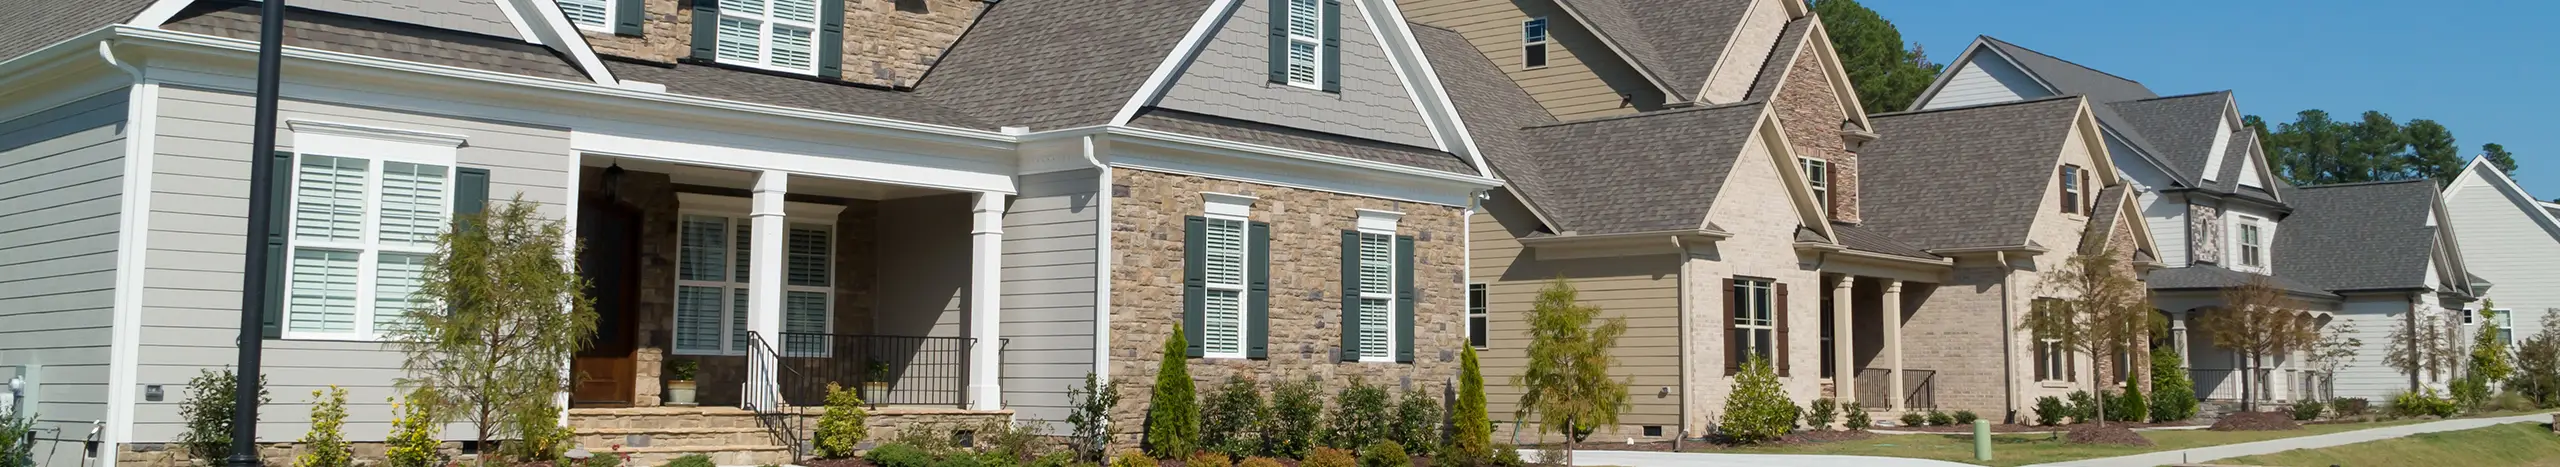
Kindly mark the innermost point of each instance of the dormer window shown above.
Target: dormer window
(2252, 247)
(1305, 43)
(2072, 187)
(1533, 42)
(780, 35)
(1817, 174)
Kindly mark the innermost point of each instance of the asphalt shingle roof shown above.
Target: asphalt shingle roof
(34, 24)
(2102, 218)
(1493, 109)
(1679, 41)
(1860, 238)
(1791, 42)
(1280, 136)
(473, 16)
(392, 40)
(2211, 277)
(1049, 64)
(2181, 129)
(2102, 88)
(2359, 235)
(747, 86)
(1649, 172)
(2004, 153)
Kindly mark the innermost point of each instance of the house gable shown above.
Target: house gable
(1748, 50)
(1583, 77)
(1229, 75)
(1766, 190)
(1813, 98)
(1982, 76)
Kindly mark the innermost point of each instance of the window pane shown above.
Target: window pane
(413, 203)
(1476, 333)
(397, 280)
(808, 265)
(1533, 55)
(1534, 30)
(738, 319)
(324, 291)
(1302, 63)
(1302, 19)
(744, 261)
(741, 41)
(584, 12)
(329, 199)
(750, 7)
(794, 10)
(792, 47)
(1373, 327)
(1761, 341)
(804, 314)
(702, 257)
(1377, 274)
(698, 319)
(1225, 258)
(1221, 328)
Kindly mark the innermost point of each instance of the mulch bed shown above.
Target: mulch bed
(853, 462)
(2256, 421)
(1719, 444)
(2110, 434)
(2017, 428)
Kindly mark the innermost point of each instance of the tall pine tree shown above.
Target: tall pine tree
(1888, 77)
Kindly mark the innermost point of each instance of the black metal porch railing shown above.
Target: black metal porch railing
(1919, 389)
(1872, 387)
(888, 370)
(778, 418)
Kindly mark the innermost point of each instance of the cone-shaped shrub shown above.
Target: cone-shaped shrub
(1173, 415)
(1473, 438)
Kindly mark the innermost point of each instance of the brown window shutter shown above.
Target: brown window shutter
(2088, 195)
(1732, 335)
(1779, 352)
(2061, 180)
(2070, 366)
(2037, 347)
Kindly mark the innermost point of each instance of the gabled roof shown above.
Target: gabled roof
(34, 24)
(473, 16)
(2211, 277)
(2181, 129)
(2359, 236)
(2071, 78)
(1495, 110)
(761, 88)
(2102, 218)
(2003, 153)
(1649, 172)
(1016, 67)
(1676, 41)
(1791, 42)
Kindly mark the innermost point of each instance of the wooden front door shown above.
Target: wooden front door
(605, 370)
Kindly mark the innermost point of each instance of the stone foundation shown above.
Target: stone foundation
(271, 454)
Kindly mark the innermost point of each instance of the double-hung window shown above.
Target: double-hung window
(2252, 248)
(1755, 320)
(2506, 322)
(1818, 175)
(1223, 313)
(1377, 295)
(589, 14)
(1477, 318)
(2071, 189)
(714, 281)
(1306, 43)
(2052, 362)
(364, 221)
(1533, 42)
(779, 35)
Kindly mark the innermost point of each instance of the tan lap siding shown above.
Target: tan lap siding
(1643, 289)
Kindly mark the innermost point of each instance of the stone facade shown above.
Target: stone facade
(887, 42)
(1809, 108)
(1305, 330)
(2204, 233)
(272, 454)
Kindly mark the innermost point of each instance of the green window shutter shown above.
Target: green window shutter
(1332, 50)
(706, 29)
(626, 17)
(1404, 299)
(279, 208)
(1257, 344)
(1279, 41)
(470, 194)
(1195, 283)
(1350, 295)
(831, 39)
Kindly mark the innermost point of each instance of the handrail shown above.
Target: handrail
(761, 394)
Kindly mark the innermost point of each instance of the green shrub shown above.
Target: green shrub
(1937, 418)
(1758, 409)
(1821, 413)
(1471, 436)
(1858, 419)
(2130, 407)
(934, 438)
(2469, 392)
(602, 459)
(1059, 459)
(539, 436)
(2412, 404)
(1013, 443)
(1914, 419)
(841, 428)
(699, 460)
(2307, 410)
(207, 410)
(2173, 395)
(1128, 458)
(1297, 415)
(413, 441)
(1091, 418)
(1418, 422)
(1966, 417)
(1505, 455)
(1207, 459)
(326, 445)
(1258, 461)
(1360, 416)
(1231, 417)
(2512, 401)
(1385, 454)
(2537, 364)
(1330, 457)
(2050, 411)
(2349, 406)
(15, 448)
(2083, 407)
(898, 455)
(1173, 415)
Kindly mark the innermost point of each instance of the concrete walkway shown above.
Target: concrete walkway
(1694, 459)
(2227, 451)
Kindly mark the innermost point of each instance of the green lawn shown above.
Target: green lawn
(2513, 444)
(2007, 450)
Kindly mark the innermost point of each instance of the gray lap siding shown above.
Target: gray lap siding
(61, 177)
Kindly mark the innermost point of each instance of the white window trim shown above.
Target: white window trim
(606, 27)
(1375, 222)
(1819, 180)
(1318, 41)
(2071, 185)
(1749, 302)
(1548, 31)
(737, 211)
(2505, 322)
(376, 146)
(2055, 362)
(1237, 208)
(1479, 309)
(764, 37)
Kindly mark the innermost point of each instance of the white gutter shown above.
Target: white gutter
(125, 326)
(1102, 260)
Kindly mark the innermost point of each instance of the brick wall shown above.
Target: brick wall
(1810, 110)
(1763, 220)
(887, 42)
(1306, 233)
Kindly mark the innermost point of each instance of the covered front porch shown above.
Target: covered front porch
(763, 287)
(1862, 342)
(2225, 375)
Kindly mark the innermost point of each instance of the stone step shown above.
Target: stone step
(664, 417)
(753, 454)
(656, 437)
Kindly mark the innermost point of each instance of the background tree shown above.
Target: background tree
(2537, 373)
(2506, 161)
(2315, 149)
(2258, 320)
(2331, 352)
(2106, 315)
(2420, 348)
(500, 309)
(1887, 76)
(1567, 383)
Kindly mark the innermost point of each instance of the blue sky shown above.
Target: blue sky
(2490, 72)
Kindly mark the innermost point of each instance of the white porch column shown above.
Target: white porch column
(986, 313)
(1892, 308)
(764, 292)
(1844, 368)
(2178, 338)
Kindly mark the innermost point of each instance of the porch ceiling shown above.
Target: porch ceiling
(801, 184)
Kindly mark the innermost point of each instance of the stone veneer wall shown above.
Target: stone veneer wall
(1306, 226)
(273, 454)
(1809, 108)
(2204, 234)
(887, 42)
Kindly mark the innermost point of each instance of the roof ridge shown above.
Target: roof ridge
(1419, 24)
(1637, 115)
(2180, 96)
(2369, 183)
(2060, 59)
(2038, 100)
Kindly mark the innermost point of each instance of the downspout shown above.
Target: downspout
(1102, 260)
(2008, 343)
(124, 352)
(1682, 297)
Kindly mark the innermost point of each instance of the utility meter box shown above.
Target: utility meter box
(17, 389)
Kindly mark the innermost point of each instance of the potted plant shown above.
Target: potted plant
(680, 382)
(876, 387)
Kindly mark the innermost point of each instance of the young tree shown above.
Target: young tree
(500, 309)
(1567, 384)
(2107, 313)
(2331, 352)
(1472, 440)
(1871, 50)
(2173, 396)
(2537, 374)
(2257, 320)
(1173, 414)
(2420, 348)
(2488, 354)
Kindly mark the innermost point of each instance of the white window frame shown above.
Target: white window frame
(2505, 320)
(2056, 362)
(1381, 224)
(376, 146)
(765, 22)
(1217, 208)
(1817, 176)
(2071, 186)
(1315, 61)
(1479, 317)
(1546, 35)
(2252, 242)
(736, 210)
(1761, 315)
(605, 7)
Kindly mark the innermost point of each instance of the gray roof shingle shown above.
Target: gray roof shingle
(760, 88)
(1492, 107)
(1860, 238)
(34, 24)
(2101, 87)
(2359, 236)
(1791, 42)
(1679, 41)
(2102, 218)
(393, 40)
(2211, 277)
(472, 16)
(2004, 153)
(1286, 137)
(1017, 66)
(1648, 172)
(2181, 129)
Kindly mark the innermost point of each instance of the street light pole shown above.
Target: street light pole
(248, 382)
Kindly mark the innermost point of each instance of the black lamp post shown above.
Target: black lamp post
(244, 395)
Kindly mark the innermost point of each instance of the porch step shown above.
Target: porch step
(720, 455)
(673, 437)
(663, 418)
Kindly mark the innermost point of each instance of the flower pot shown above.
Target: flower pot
(679, 393)
(875, 391)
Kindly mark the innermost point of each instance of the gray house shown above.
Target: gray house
(935, 201)
(2509, 238)
(2388, 250)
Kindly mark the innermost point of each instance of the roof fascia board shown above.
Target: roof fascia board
(2513, 192)
(1182, 54)
(542, 19)
(1292, 156)
(159, 13)
(1671, 93)
(1422, 82)
(1773, 138)
(1834, 248)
